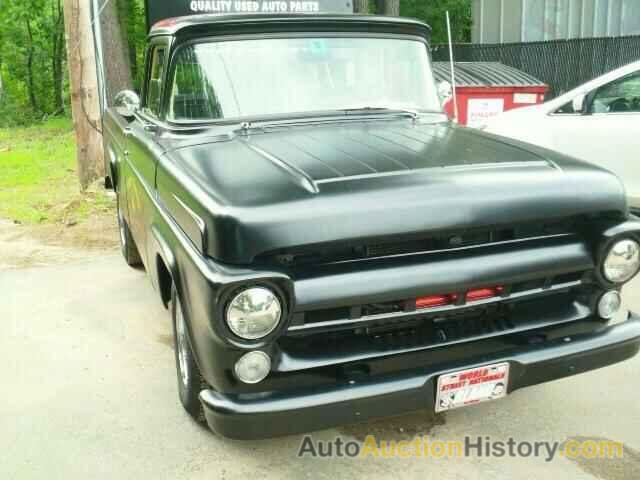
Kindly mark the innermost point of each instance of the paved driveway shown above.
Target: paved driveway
(89, 392)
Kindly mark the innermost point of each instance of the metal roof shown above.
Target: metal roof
(172, 26)
(484, 74)
(508, 21)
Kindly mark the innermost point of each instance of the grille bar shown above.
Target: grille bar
(500, 243)
(438, 242)
(392, 280)
(349, 323)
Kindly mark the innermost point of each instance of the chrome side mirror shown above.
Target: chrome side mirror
(126, 103)
(445, 90)
(578, 103)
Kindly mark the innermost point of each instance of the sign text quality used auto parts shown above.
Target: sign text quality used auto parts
(270, 6)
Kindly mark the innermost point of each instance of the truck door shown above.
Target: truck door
(143, 149)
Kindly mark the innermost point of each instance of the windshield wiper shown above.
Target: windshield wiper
(393, 110)
(331, 116)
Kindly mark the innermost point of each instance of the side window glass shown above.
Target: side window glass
(155, 81)
(566, 109)
(193, 96)
(619, 96)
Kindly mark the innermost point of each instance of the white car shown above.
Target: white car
(598, 122)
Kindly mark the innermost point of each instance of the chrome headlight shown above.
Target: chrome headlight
(622, 261)
(254, 313)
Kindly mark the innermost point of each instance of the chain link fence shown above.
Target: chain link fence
(561, 64)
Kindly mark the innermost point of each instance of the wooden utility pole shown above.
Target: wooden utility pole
(388, 7)
(85, 103)
(361, 6)
(116, 49)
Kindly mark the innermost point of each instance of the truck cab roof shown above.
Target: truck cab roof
(247, 23)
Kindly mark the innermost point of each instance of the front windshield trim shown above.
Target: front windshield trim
(170, 75)
(310, 116)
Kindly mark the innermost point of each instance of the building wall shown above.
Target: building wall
(506, 21)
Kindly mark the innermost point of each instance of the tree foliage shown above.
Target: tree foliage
(433, 12)
(32, 60)
(133, 22)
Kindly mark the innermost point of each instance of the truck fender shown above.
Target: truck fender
(165, 269)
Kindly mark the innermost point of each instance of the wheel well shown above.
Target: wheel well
(110, 177)
(164, 281)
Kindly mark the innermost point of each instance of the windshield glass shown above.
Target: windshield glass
(246, 78)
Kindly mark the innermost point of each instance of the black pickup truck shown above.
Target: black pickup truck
(332, 249)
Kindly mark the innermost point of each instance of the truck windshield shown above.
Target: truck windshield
(248, 78)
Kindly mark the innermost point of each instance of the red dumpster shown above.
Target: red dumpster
(485, 89)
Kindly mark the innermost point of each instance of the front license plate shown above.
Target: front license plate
(475, 385)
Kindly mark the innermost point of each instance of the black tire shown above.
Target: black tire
(190, 380)
(127, 244)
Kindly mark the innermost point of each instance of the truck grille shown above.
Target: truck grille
(442, 241)
(371, 319)
(527, 318)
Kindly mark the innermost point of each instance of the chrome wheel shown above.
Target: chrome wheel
(181, 345)
(189, 379)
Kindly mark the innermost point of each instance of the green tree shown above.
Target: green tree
(433, 12)
(32, 60)
(133, 22)
(429, 11)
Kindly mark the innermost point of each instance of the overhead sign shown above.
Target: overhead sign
(161, 9)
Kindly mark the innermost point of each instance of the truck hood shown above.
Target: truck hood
(280, 188)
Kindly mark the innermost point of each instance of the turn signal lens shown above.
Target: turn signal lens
(609, 304)
(434, 301)
(482, 293)
(253, 367)
(431, 301)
